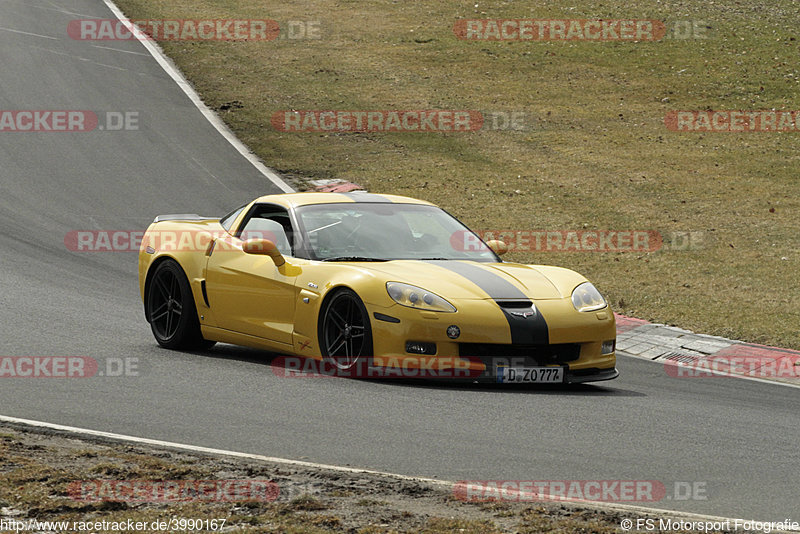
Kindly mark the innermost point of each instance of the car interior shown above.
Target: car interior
(269, 222)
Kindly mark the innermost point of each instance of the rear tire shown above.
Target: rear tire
(171, 311)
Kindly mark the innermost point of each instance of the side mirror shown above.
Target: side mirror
(497, 246)
(264, 247)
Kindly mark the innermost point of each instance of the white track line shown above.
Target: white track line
(29, 33)
(123, 51)
(170, 68)
(445, 484)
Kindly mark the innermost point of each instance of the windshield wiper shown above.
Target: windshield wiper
(432, 259)
(353, 258)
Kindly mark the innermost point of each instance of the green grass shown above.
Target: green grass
(597, 154)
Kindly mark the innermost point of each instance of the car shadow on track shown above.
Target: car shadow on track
(273, 360)
(583, 390)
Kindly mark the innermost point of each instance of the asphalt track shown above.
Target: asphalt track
(738, 438)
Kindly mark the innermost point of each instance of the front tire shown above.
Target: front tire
(345, 334)
(171, 311)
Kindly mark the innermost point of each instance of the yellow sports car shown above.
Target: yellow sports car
(361, 284)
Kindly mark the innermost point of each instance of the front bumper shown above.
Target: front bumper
(591, 375)
(485, 340)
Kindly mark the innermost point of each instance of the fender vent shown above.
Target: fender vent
(205, 295)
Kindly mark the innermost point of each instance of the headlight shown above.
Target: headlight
(416, 297)
(587, 298)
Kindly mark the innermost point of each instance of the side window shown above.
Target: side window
(267, 221)
(227, 221)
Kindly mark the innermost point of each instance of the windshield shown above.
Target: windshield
(361, 231)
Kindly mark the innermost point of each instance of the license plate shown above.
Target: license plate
(530, 375)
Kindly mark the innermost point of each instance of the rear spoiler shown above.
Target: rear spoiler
(183, 217)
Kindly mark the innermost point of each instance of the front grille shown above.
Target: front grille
(514, 304)
(490, 353)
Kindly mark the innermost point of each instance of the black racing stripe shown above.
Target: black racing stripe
(528, 330)
(497, 287)
(365, 197)
(524, 330)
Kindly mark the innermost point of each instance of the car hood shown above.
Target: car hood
(474, 280)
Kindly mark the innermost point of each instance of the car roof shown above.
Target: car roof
(292, 200)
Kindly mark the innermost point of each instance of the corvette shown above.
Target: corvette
(360, 281)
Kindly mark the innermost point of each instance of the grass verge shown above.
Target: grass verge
(37, 469)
